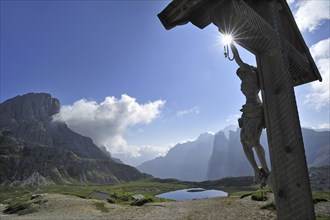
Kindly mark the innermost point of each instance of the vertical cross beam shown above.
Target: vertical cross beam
(283, 62)
(290, 178)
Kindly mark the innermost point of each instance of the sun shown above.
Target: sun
(227, 39)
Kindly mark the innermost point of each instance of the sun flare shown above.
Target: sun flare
(227, 39)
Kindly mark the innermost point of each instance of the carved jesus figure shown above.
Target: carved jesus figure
(252, 119)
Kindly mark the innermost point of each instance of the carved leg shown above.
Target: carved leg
(264, 171)
(250, 156)
(261, 155)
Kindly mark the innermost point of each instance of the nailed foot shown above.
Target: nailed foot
(261, 176)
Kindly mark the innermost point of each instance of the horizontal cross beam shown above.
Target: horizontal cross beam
(252, 31)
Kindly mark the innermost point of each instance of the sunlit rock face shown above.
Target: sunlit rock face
(33, 145)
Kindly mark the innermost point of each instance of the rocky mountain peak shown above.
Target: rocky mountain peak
(230, 128)
(29, 107)
(220, 135)
(35, 149)
(205, 136)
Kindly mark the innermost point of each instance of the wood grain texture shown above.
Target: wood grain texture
(289, 168)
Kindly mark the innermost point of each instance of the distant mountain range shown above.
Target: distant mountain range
(212, 157)
(187, 161)
(36, 150)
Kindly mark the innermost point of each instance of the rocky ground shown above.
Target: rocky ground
(64, 207)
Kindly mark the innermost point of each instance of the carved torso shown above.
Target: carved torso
(250, 85)
(253, 105)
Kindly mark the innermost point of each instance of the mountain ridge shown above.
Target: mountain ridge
(36, 147)
(228, 158)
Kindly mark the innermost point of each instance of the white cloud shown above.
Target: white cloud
(154, 150)
(324, 126)
(195, 110)
(145, 153)
(319, 94)
(290, 1)
(106, 123)
(311, 14)
(321, 49)
(232, 119)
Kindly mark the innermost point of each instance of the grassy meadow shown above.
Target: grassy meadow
(19, 197)
(147, 188)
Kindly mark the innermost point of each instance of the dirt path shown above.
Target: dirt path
(63, 207)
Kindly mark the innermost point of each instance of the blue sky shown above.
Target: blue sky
(177, 83)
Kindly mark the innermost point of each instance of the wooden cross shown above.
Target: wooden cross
(267, 29)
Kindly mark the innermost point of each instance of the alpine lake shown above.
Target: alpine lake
(192, 193)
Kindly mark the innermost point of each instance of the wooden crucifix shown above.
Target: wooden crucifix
(267, 29)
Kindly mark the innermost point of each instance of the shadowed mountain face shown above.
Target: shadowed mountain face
(187, 161)
(32, 145)
(227, 157)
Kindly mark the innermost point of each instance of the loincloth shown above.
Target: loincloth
(251, 122)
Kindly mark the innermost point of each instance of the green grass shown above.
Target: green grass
(317, 196)
(149, 189)
(321, 195)
(322, 218)
(260, 195)
(23, 208)
(256, 195)
(9, 195)
(19, 200)
(239, 191)
(101, 206)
